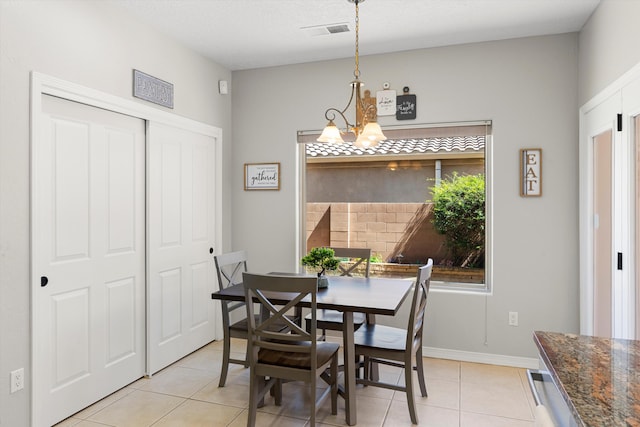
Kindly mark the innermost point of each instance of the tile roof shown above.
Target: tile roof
(449, 144)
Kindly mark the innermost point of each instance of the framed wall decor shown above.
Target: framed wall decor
(406, 105)
(531, 172)
(261, 176)
(386, 102)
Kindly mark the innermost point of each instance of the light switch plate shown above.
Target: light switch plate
(223, 87)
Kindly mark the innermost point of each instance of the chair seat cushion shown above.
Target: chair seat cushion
(242, 325)
(332, 319)
(380, 336)
(324, 353)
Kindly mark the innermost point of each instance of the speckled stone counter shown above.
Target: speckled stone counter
(599, 378)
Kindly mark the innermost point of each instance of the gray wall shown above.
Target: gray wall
(608, 46)
(527, 87)
(95, 45)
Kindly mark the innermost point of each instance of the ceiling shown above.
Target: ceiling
(245, 34)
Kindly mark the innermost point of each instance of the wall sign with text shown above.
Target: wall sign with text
(386, 102)
(262, 176)
(531, 172)
(406, 107)
(152, 89)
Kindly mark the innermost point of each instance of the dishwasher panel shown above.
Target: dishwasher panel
(545, 393)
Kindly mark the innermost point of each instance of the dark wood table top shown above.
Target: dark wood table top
(355, 294)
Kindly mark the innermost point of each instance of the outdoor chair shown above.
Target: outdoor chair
(398, 347)
(295, 355)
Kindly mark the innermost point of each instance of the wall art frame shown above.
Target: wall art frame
(531, 172)
(262, 176)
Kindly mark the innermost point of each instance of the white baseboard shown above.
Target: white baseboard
(471, 356)
(491, 359)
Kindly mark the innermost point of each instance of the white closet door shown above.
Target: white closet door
(89, 255)
(181, 227)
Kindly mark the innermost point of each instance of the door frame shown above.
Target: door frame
(624, 210)
(42, 84)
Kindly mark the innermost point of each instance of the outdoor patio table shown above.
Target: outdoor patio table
(348, 295)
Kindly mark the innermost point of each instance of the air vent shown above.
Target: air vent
(326, 29)
(341, 28)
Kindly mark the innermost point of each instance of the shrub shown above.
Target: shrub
(459, 214)
(376, 258)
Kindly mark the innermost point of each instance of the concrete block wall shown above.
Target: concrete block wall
(397, 232)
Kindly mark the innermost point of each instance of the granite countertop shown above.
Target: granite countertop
(599, 378)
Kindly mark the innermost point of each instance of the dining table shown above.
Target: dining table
(371, 296)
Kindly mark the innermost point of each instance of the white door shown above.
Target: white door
(601, 246)
(609, 211)
(631, 125)
(603, 232)
(89, 253)
(181, 227)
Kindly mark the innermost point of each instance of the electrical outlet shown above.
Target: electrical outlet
(513, 318)
(17, 380)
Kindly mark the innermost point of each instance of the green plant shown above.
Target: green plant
(376, 258)
(459, 214)
(321, 258)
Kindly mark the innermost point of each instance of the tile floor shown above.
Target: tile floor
(186, 393)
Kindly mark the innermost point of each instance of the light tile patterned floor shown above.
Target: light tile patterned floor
(186, 394)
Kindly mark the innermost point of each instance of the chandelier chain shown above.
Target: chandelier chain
(356, 72)
(366, 130)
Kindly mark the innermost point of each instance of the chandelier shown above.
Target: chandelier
(366, 129)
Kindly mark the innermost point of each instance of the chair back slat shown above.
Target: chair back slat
(418, 304)
(277, 314)
(230, 267)
(262, 289)
(358, 255)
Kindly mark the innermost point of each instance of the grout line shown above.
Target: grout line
(385, 419)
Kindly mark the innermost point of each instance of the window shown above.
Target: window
(380, 198)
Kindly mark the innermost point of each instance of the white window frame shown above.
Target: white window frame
(450, 287)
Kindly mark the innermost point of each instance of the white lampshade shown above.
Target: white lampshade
(370, 137)
(373, 132)
(331, 134)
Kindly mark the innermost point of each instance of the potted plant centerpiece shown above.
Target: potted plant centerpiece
(321, 259)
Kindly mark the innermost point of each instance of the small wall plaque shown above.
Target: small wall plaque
(152, 89)
(262, 176)
(406, 105)
(531, 172)
(386, 100)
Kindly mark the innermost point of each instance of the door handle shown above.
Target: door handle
(44, 280)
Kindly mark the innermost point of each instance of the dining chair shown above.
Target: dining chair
(398, 347)
(229, 268)
(331, 319)
(291, 356)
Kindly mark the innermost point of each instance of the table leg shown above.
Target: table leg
(349, 367)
